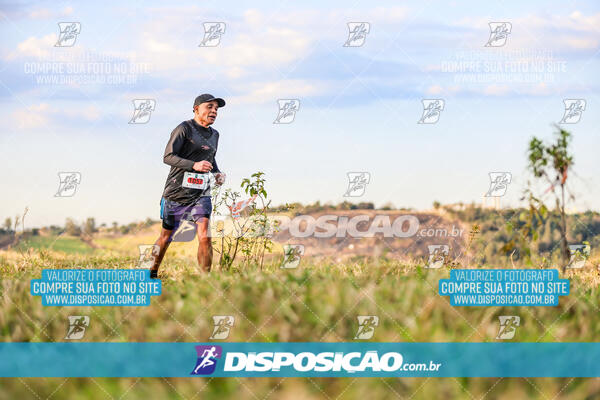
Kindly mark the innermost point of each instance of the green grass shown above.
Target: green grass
(62, 244)
(319, 301)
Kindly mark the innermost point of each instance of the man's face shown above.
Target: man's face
(207, 112)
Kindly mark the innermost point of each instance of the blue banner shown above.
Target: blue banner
(299, 359)
(95, 287)
(504, 287)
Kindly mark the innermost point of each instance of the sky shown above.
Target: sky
(68, 108)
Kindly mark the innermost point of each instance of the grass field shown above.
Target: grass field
(56, 243)
(319, 301)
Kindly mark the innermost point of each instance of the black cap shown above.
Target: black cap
(204, 98)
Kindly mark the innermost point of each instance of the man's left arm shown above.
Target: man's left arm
(215, 169)
(219, 176)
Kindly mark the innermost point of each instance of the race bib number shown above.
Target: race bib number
(195, 181)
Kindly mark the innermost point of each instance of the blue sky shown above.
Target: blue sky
(359, 106)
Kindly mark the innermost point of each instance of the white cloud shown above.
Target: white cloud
(324, 21)
(43, 114)
(34, 47)
(541, 89)
(45, 13)
(40, 13)
(387, 14)
(434, 89)
(273, 47)
(30, 118)
(276, 47)
(90, 113)
(496, 90)
(255, 40)
(268, 91)
(557, 32)
(578, 21)
(581, 43)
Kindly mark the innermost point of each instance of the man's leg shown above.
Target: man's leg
(204, 244)
(162, 242)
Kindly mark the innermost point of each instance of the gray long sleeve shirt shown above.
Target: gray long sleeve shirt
(190, 142)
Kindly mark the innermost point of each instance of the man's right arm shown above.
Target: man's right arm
(173, 149)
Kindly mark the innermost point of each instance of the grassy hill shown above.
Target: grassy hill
(337, 280)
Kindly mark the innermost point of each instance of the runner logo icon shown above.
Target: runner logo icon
(207, 359)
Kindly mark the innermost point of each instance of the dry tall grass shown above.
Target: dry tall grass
(318, 301)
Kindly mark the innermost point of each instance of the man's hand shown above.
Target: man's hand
(219, 178)
(202, 166)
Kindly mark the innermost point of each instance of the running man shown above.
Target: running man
(190, 150)
(206, 361)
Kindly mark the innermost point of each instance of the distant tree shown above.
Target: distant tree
(365, 206)
(115, 227)
(55, 229)
(8, 224)
(387, 206)
(72, 228)
(90, 226)
(345, 205)
(436, 204)
(550, 163)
